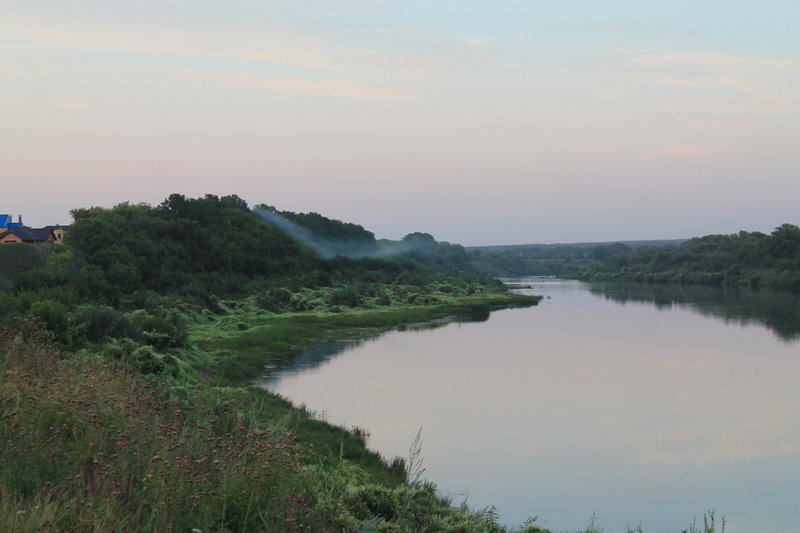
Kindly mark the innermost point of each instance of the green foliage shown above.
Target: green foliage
(544, 260)
(183, 241)
(105, 450)
(276, 300)
(347, 296)
(147, 361)
(53, 314)
(746, 259)
(240, 355)
(18, 257)
(329, 237)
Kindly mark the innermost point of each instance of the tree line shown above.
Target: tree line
(751, 259)
(128, 276)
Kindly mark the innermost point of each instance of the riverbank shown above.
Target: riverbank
(241, 345)
(377, 490)
(100, 448)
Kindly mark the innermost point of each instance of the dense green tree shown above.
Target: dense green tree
(751, 259)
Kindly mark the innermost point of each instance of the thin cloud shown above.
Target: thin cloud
(606, 95)
(705, 58)
(478, 41)
(630, 27)
(259, 48)
(600, 118)
(731, 125)
(685, 82)
(374, 61)
(473, 40)
(520, 67)
(297, 86)
(770, 98)
(710, 70)
(682, 152)
(13, 70)
(184, 45)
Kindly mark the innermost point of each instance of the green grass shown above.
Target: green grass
(241, 354)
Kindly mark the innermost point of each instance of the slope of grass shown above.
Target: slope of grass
(88, 446)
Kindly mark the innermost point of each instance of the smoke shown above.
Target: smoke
(327, 248)
(285, 225)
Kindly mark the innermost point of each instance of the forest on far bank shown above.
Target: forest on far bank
(749, 259)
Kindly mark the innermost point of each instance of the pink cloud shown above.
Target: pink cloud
(297, 86)
(682, 151)
(731, 125)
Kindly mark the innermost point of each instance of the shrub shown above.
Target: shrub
(97, 322)
(274, 300)
(146, 360)
(347, 296)
(53, 314)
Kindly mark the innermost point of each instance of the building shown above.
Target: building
(19, 233)
(11, 231)
(7, 222)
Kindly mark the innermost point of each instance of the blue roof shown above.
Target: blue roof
(7, 222)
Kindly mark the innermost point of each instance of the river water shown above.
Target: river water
(643, 404)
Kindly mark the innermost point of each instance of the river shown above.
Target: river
(643, 404)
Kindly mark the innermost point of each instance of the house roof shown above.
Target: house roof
(7, 221)
(29, 234)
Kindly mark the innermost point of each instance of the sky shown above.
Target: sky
(480, 122)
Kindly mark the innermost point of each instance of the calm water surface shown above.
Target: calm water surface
(643, 404)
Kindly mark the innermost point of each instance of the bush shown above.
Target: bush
(274, 300)
(53, 314)
(159, 331)
(146, 360)
(99, 322)
(347, 296)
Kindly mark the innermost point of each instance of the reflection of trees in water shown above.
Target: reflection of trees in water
(779, 312)
(342, 341)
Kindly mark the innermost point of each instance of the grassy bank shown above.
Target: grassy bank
(90, 446)
(242, 343)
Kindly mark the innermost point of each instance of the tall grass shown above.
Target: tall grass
(87, 445)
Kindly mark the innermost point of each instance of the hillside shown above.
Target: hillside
(125, 356)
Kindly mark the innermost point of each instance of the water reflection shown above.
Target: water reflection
(779, 312)
(652, 411)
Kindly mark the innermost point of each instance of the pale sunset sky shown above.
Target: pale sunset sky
(480, 122)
